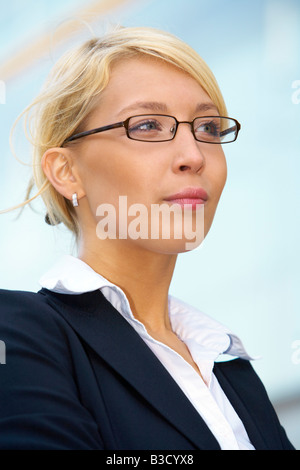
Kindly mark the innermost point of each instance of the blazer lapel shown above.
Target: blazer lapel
(101, 326)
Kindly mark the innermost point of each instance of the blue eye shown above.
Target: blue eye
(208, 128)
(145, 126)
(151, 127)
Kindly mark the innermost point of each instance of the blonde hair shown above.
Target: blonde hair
(72, 87)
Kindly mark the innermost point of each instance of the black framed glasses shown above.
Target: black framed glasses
(162, 128)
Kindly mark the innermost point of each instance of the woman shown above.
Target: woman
(127, 154)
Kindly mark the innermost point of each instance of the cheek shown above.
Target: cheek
(108, 173)
(218, 172)
(223, 176)
(216, 178)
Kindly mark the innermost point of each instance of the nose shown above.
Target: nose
(189, 154)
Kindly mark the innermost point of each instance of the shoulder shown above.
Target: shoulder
(12, 300)
(44, 321)
(15, 305)
(30, 325)
(15, 294)
(24, 307)
(18, 300)
(41, 391)
(36, 337)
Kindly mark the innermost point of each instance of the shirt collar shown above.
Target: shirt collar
(202, 334)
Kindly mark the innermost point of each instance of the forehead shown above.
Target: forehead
(145, 82)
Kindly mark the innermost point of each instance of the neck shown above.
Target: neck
(143, 275)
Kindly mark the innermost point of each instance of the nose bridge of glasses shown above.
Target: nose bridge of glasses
(190, 123)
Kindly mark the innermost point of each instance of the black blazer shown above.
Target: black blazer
(77, 376)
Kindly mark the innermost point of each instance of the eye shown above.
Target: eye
(145, 126)
(208, 128)
(151, 128)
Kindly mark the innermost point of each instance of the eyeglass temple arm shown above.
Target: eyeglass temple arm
(235, 128)
(93, 131)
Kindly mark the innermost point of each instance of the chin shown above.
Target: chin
(171, 246)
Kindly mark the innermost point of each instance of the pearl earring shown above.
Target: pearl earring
(74, 200)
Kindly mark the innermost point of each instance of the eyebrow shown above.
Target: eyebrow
(202, 107)
(148, 105)
(162, 107)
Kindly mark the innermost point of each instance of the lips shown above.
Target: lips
(192, 196)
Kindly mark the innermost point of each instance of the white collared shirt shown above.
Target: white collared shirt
(206, 339)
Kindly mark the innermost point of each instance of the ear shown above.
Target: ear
(57, 164)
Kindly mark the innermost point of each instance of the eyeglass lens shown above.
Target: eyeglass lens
(158, 128)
